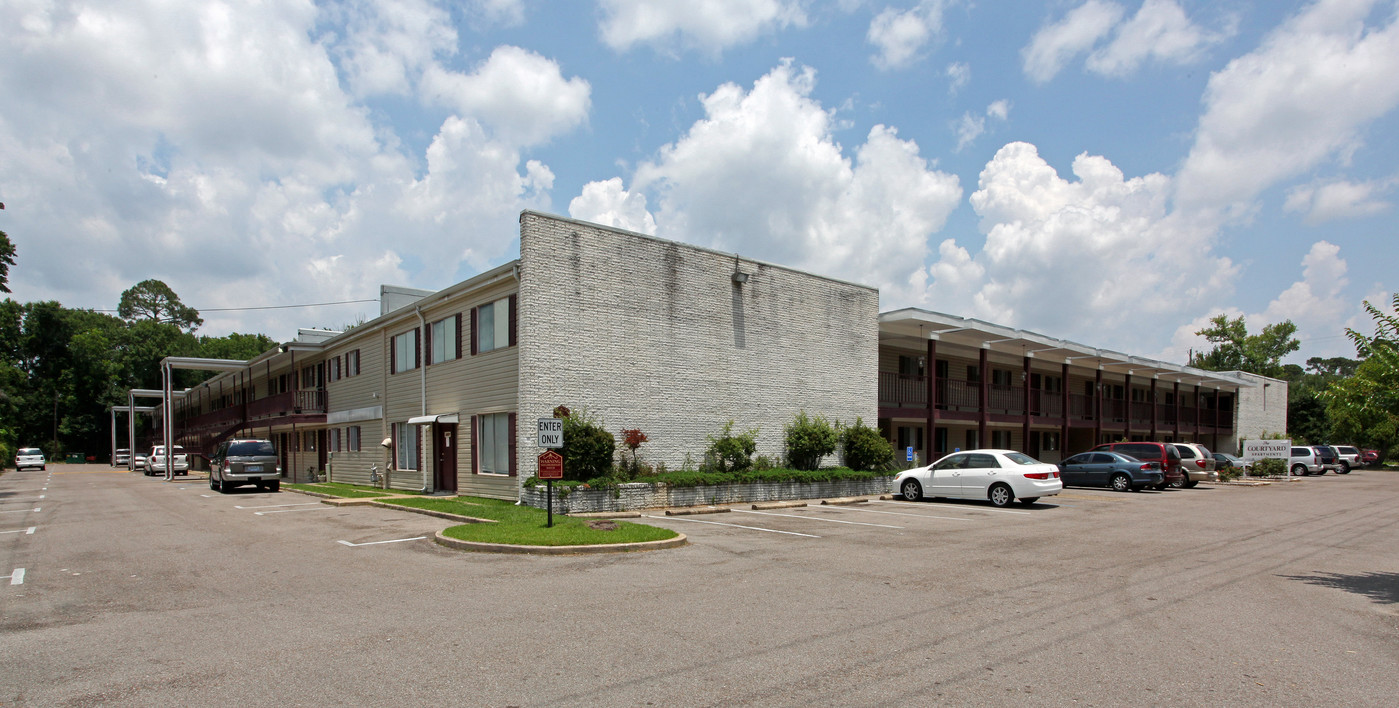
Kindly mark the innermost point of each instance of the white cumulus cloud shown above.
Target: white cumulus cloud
(901, 35)
(1160, 30)
(709, 26)
(762, 175)
(522, 96)
(1055, 45)
(1341, 199)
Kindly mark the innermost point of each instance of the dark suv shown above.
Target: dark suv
(238, 462)
(1328, 457)
(1165, 454)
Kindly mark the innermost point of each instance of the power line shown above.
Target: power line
(272, 307)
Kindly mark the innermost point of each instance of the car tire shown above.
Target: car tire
(275, 486)
(1345, 468)
(1000, 495)
(1120, 483)
(1178, 484)
(1028, 501)
(1161, 487)
(1299, 470)
(911, 490)
(1190, 483)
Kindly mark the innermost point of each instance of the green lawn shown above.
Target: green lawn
(526, 525)
(346, 491)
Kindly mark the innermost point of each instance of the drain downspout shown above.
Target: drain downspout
(422, 376)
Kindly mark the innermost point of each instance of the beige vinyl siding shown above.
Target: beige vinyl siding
(358, 392)
(472, 385)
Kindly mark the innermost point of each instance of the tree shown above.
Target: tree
(1237, 350)
(1365, 407)
(7, 259)
(154, 300)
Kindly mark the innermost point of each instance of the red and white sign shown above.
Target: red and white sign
(550, 465)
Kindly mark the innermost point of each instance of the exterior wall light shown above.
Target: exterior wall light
(740, 278)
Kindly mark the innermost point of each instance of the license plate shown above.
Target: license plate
(252, 468)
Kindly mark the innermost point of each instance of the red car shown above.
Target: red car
(1370, 457)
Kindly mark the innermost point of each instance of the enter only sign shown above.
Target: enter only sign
(550, 432)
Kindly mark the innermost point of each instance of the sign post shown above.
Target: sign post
(550, 469)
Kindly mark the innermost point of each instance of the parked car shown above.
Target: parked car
(155, 462)
(1110, 469)
(29, 457)
(1316, 459)
(1370, 457)
(1224, 461)
(1350, 457)
(248, 461)
(122, 458)
(1164, 454)
(1000, 476)
(1330, 461)
(1198, 464)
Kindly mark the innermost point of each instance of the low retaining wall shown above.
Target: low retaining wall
(644, 495)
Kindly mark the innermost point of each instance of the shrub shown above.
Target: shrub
(808, 440)
(632, 439)
(587, 447)
(865, 448)
(1268, 468)
(730, 452)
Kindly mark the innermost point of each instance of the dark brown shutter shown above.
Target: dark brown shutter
(514, 328)
(458, 353)
(417, 349)
(393, 447)
(418, 431)
(473, 330)
(393, 357)
(511, 427)
(475, 459)
(427, 344)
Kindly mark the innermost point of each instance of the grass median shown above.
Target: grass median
(527, 526)
(346, 491)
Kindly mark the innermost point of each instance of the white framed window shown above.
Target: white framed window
(444, 341)
(335, 440)
(352, 438)
(1049, 442)
(405, 351)
(352, 363)
(405, 446)
(493, 443)
(310, 438)
(493, 325)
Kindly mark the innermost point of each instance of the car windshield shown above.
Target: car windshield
(1021, 458)
(251, 448)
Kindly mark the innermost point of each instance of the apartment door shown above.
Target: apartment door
(444, 445)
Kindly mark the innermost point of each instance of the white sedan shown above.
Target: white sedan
(1001, 476)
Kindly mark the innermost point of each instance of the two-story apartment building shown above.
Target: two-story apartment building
(441, 391)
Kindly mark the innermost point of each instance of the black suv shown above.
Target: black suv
(1328, 458)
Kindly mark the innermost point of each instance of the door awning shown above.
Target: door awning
(429, 419)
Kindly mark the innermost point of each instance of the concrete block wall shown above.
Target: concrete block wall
(1261, 409)
(641, 495)
(653, 334)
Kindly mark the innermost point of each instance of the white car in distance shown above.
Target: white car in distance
(999, 476)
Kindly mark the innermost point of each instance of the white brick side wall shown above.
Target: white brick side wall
(1261, 409)
(655, 335)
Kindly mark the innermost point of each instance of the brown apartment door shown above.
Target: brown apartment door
(444, 443)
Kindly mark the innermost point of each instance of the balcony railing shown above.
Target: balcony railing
(903, 391)
(289, 403)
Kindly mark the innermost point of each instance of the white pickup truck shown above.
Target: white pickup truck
(155, 462)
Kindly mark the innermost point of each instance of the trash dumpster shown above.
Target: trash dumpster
(75, 458)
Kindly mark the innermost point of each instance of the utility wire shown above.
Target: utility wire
(271, 307)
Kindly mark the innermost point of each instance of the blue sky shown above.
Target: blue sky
(1110, 171)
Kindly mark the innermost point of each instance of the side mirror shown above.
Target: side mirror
(387, 443)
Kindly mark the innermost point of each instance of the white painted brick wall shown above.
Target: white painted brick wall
(1261, 409)
(654, 334)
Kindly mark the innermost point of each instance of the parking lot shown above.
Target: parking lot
(136, 591)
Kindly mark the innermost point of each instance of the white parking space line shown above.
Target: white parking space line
(283, 511)
(950, 506)
(16, 578)
(376, 543)
(20, 511)
(27, 532)
(895, 513)
(274, 506)
(41, 497)
(737, 526)
(817, 518)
